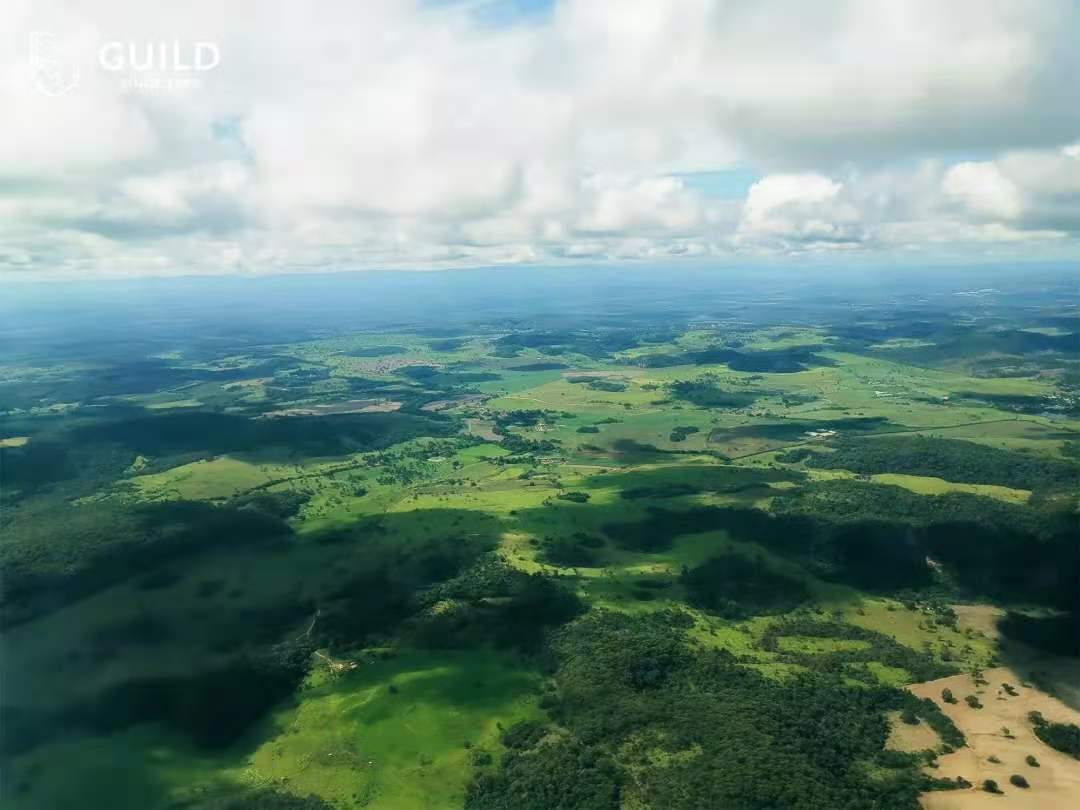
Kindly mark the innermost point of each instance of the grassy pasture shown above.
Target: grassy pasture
(916, 630)
(925, 485)
(213, 479)
(397, 733)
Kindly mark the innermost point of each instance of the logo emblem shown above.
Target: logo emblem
(52, 76)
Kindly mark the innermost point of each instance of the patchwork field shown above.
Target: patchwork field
(398, 567)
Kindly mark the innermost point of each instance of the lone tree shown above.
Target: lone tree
(1019, 781)
(990, 786)
(947, 695)
(1030, 760)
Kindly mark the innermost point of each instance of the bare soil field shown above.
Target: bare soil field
(1055, 783)
(1054, 674)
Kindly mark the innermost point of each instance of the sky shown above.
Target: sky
(283, 136)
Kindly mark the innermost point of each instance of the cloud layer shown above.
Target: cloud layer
(349, 135)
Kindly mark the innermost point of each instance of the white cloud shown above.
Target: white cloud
(397, 134)
(1031, 189)
(798, 211)
(636, 205)
(983, 189)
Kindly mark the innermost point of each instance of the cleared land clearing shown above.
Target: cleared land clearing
(452, 402)
(890, 676)
(221, 477)
(483, 429)
(926, 485)
(1055, 785)
(906, 737)
(173, 404)
(353, 406)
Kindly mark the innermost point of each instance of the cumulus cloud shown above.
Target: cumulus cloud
(983, 189)
(792, 210)
(660, 204)
(1034, 190)
(390, 133)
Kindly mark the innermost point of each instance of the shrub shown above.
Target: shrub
(525, 734)
(1064, 737)
(679, 434)
(479, 758)
(575, 497)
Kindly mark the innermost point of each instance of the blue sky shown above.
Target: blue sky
(724, 184)
(505, 12)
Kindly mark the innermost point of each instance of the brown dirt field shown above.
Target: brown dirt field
(1054, 674)
(1054, 786)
